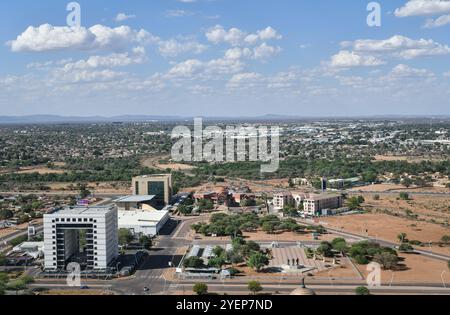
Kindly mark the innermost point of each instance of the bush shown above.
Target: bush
(193, 262)
(200, 289)
(362, 291)
(404, 196)
(388, 260)
(361, 260)
(233, 271)
(257, 261)
(254, 287)
(216, 262)
(18, 240)
(406, 248)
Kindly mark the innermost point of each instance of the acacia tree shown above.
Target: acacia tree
(257, 261)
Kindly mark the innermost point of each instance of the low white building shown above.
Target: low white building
(143, 222)
(34, 249)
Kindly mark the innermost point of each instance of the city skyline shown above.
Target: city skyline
(225, 58)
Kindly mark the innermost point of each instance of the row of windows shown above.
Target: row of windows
(74, 220)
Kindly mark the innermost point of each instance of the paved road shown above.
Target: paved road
(319, 289)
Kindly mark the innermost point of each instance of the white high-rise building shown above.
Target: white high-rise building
(88, 236)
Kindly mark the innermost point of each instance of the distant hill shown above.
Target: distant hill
(55, 119)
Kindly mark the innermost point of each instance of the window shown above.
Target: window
(136, 185)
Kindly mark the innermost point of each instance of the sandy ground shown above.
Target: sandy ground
(436, 208)
(122, 188)
(399, 188)
(412, 159)
(418, 269)
(387, 227)
(29, 170)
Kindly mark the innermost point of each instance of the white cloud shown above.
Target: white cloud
(236, 37)
(423, 7)
(405, 71)
(120, 17)
(438, 22)
(347, 59)
(173, 48)
(98, 37)
(399, 46)
(265, 51)
(178, 13)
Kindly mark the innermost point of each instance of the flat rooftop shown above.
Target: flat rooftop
(322, 197)
(141, 218)
(82, 210)
(133, 198)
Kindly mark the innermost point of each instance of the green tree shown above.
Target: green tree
(216, 262)
(404, 196)
(2, 259)
(445, 239)
(200, 289)
(254, 287)
(193, 262)
(145, 241)
(270, 227)
(125, 237)
(325, 249)
(257, 261)
(84, 191)
(387, 260)
(402, 237)
(185, 210)
(6, 214)
(219, 251)
(362, 291)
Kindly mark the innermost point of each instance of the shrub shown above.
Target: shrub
(362, 291)
(200, 289)
(193, 262)
(254, 287)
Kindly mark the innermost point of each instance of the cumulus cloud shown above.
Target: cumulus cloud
(347, 59)
(399, 46)
(405, 71)
(236, 37)
(438, 22)
(173, 48)
(423, 7)
(120, 17)
(427, 8)
(98, 37)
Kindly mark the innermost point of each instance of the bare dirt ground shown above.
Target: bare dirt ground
(400, 188)
(435, 209)
(419, 269)
(122, 188)
(154, 162)
(29, 170)
(411, 159)
(387, 227)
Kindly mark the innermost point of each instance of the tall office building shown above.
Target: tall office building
(159, 186)
(88, 236)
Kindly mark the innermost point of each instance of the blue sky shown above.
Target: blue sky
(225, 57)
